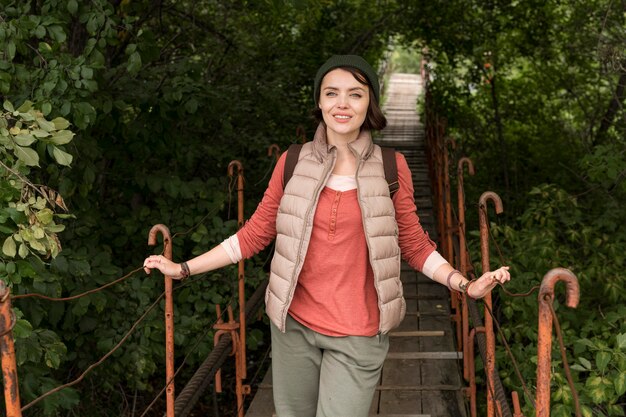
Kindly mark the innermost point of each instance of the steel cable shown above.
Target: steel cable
(92, 366)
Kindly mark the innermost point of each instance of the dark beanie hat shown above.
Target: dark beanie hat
(353, 61)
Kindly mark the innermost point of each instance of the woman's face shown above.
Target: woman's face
(344, 102)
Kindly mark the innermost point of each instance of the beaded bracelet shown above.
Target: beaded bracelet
(184, 271)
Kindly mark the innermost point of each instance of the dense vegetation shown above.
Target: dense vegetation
(162, 95)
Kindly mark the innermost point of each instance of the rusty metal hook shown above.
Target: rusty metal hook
(572, 291)
(231, 168)
(273, 150)
(465, 161)
(167, 239)
(169, 314)
(495, 198)
(544, 335)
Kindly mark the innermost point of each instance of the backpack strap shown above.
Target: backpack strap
(291, 160)
(391, 169)
(389, 164)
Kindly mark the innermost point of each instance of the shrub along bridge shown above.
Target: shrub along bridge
(430, 367)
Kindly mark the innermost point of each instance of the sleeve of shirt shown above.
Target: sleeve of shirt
(260, 229)
(415, 244)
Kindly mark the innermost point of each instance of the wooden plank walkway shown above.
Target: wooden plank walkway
(421, 376)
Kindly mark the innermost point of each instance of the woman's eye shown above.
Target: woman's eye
(356, 95)
(331, 94)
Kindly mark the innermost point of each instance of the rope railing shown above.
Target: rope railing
(458, 253)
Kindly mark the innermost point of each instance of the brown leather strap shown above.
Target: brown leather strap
(290, 163)
(391, 169)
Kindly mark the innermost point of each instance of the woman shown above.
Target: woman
(335, 289)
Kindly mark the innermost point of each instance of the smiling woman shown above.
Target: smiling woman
(335, 290)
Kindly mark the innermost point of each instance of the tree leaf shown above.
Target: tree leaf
(46, 108)
(45, 216)
(45, 125)
(8, 106)
(23, 251)
(24, 139)
(22, 329)
(585, 363)
(27, 155)
(11, 50)
(60, 123)
(621, 341)
(620, 384)
(134, 63)
(40, 133)
(62, 157)
(602, 360)
(72, 7)
(9, 248)
(62, 137)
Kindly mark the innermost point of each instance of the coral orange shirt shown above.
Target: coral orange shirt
(335, 294)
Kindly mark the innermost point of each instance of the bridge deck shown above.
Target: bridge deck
(421, 376)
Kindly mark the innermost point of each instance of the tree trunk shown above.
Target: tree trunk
(614, 106)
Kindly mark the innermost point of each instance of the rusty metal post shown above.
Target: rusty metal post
(471, 390)
(241, 270)
(490, 366)
(240, 356)
(449, 231)
(463, 263)
(7, 349)
(439, 193)
(517, 411)
(448, 200)
(169, 315)
(544, 341)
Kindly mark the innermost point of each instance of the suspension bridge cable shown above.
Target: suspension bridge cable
(91, 367)
(74, 297)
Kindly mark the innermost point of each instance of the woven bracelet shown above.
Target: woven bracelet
(450, 276)
(184, 271)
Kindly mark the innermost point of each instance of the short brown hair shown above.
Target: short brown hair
(374, 119)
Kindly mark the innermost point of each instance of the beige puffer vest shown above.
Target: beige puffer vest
(294, 225)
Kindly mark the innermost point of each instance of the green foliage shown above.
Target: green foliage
(533, 93)
(161, 99)
(29, 228)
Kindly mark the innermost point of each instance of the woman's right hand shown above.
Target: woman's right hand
(164, 265)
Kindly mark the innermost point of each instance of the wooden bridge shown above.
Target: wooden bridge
(421, 375)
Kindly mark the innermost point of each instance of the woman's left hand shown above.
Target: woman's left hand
(483, 285)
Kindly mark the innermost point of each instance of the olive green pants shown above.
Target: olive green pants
(321, 376)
